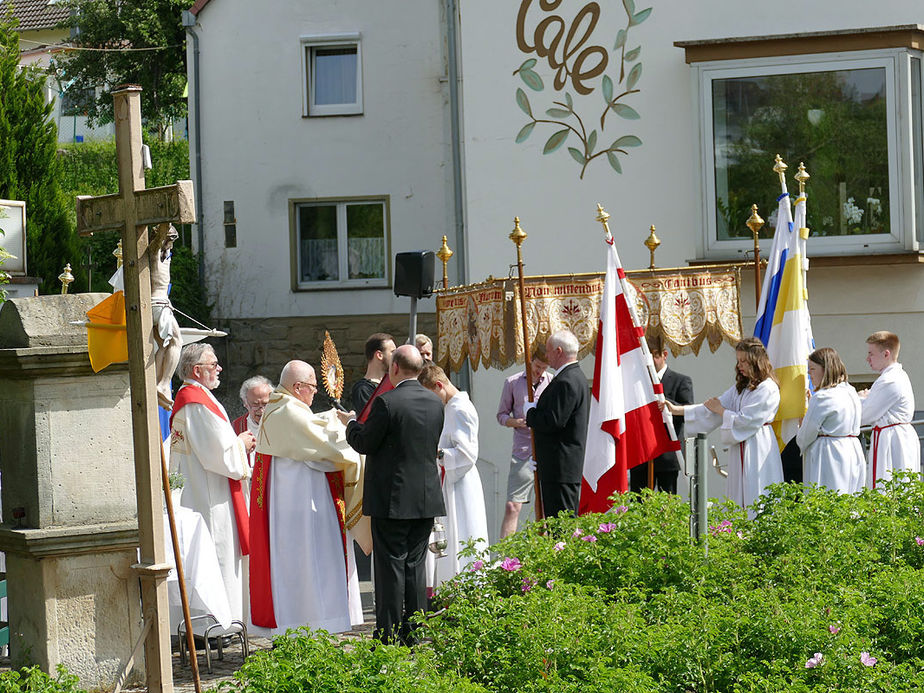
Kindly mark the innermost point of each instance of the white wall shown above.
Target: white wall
(259, 151)
(660, 180)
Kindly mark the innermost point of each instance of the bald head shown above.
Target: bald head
(406, 362)
(298, 378)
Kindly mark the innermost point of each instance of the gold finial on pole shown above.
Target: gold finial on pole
(652, 243)
(802, 176)
(602, 217)
(65, 278)
(518, 235)
(755, 223)
(118, 254)
(780, 168)
(444, 253)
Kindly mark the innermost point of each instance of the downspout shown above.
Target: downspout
(452, 33)
(452, 28)
(189, 21)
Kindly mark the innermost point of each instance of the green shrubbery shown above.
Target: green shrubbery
(34, 680)
(819, 592)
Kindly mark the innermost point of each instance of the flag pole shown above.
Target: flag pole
(755, 223)
(518, 235)
(603, 218)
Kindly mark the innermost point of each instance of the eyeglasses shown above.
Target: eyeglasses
(305, 382)
(214, 364)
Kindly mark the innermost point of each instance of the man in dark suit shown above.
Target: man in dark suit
(678, 389)
(402, 491)
(559, 422)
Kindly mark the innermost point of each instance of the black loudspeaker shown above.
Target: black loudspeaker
(414, 273)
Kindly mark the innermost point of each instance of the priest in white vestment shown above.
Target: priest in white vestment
(212, 459)
(462, 492)
(744, 412)
(829, 434)
(889, 407)
(313, 475)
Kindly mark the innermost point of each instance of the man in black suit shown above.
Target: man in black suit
(559, 422)
(678, 389)
(402, 491)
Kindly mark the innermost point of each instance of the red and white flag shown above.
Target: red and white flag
(626, 426)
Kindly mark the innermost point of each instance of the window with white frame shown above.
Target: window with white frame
(340, 243)
(853, 118)
(332, 69)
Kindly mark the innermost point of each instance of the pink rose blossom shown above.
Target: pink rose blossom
(577, 532)
(816, 661)
(835, 629)
(606, 527)
(549, 584)
(621, 509)
(919, 541)
(511, 565)
(559, 546)
(590, 538)
(477, 565)
(527, 585)
(866, 660)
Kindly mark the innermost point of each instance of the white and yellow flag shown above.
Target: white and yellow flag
(783, 321)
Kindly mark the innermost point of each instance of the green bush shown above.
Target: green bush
(34, 680)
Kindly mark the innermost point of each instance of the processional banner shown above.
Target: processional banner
(685, 307)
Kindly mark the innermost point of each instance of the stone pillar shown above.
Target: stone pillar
(69, 525)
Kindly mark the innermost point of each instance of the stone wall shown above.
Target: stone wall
(263, 346)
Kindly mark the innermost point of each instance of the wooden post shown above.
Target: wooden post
(131, 211)
(518, 235)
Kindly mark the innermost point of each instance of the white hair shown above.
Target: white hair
(190, 357)
(253, 382)
(566, 340)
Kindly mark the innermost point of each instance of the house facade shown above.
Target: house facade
(667, 114)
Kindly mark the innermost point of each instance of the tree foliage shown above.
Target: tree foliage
(129, 42)
(29, 166)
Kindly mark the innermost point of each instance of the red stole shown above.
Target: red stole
(383, 387)
(191, 394)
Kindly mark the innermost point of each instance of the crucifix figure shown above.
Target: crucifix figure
(167, 330)
(131, 211)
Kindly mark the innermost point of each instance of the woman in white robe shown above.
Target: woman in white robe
(463, 495)
(828, 437)
(743, 413)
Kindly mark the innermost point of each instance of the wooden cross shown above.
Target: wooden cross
(131, 211)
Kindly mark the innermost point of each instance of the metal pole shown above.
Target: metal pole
(413, 325)
(702, 514)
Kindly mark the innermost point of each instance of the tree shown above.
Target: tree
(129, 42)
(29, 166)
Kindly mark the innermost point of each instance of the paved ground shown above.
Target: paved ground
(223, 669)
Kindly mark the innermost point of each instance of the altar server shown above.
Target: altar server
(828, 436)
(744, 412)
(889, 406)
(462, 492)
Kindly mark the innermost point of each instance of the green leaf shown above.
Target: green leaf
(532, 80)
(630, 7)
(624, 111)
(620, 39)
(527, 65)
(614, 162)
(555, 141)
(626, 141)
(607, 88)
(633, 54)
(576, 155)
(569, 101)
(557, 113)
(525, 132)
(634, 75)
(637, 19)
(523, 102)
(591, 141)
